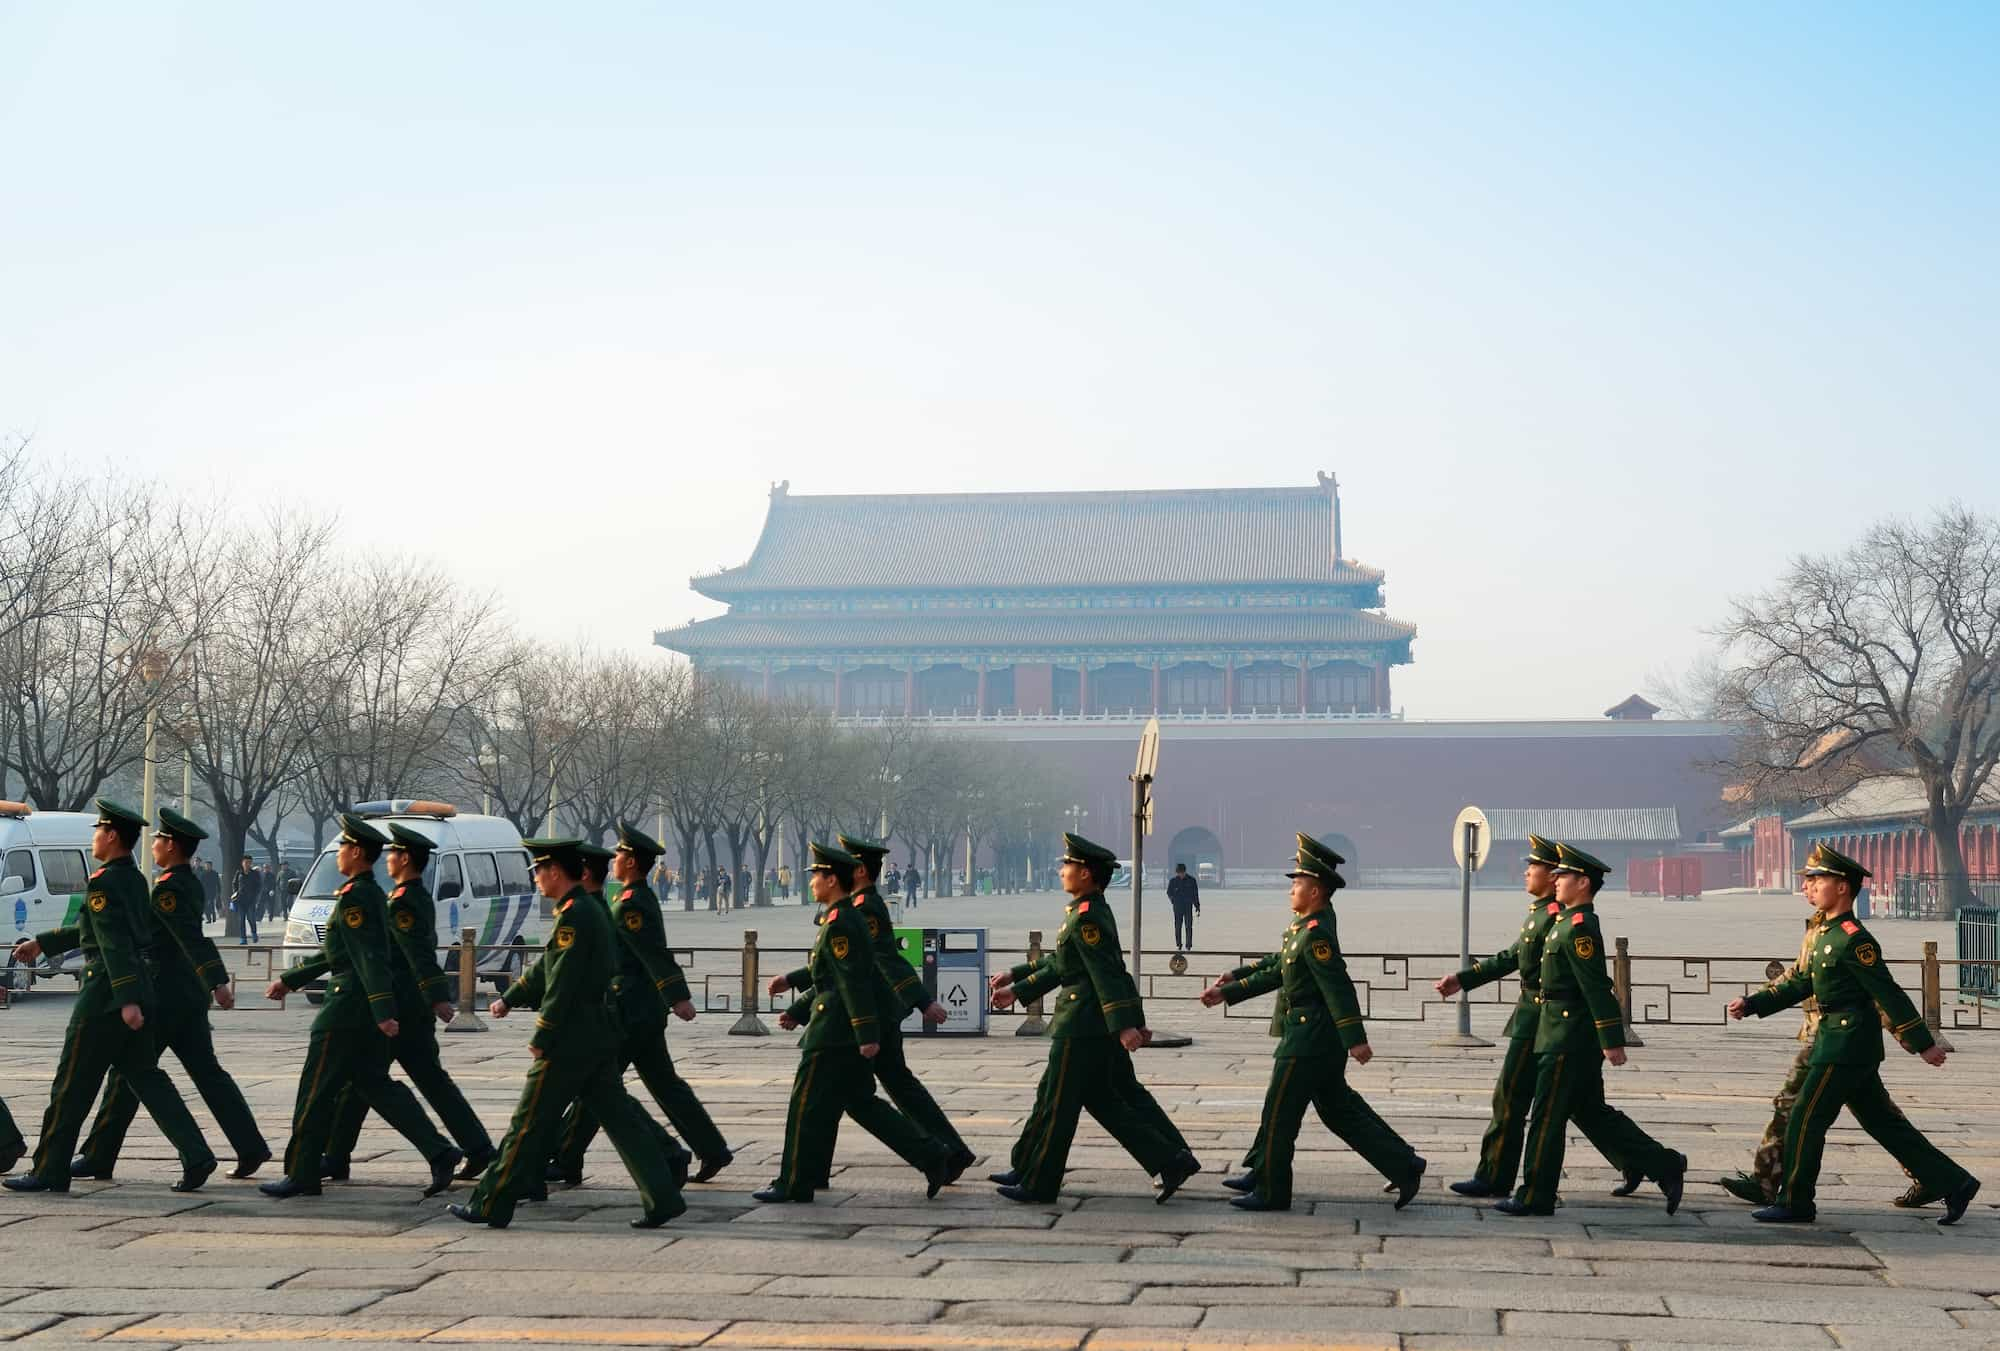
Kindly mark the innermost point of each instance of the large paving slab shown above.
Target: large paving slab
(874, 1265)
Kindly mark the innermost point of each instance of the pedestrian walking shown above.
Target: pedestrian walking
(246, 899)
(1184, 895)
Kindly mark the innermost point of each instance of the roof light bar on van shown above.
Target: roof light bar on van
(403, 806)
(17, 810)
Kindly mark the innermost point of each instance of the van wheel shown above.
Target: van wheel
(15, 977)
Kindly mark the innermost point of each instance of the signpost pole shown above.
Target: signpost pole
(1142, 826)
(1470, 839)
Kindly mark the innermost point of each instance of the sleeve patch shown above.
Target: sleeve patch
(1091, 934)
(840, 947)
(1585, 947)
(352, 917)
(1866, 954)
(97, 902)
(167, 904)
(564, 936)
(1322, 950)
(634, 921)
(405, 920)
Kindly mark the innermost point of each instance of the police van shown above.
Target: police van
(478, 876)
(45, 865)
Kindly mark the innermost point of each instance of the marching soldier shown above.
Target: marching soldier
(1514, 1091)
(354, 1036)
(423, 993)
(648, 986)
(575, 1056)
(1099, 1021)
(185, 968)
(1760, 1186)
(843, 1020)
(903, 990)
(1323, 1031)
(1848, 978)
(1581, 1026)
(108, 1029)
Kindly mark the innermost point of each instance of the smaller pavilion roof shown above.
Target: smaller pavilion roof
(1893, 797)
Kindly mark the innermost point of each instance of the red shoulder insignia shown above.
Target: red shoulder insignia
(1849, 926)
(397, 894)
(832, 911)
(1555, 907)
(1082, 906)
(1312, 924)
(1577, 918)
(99, 873)
(166, 876)
(344, 890)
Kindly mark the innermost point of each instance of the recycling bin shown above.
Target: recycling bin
(953, 965)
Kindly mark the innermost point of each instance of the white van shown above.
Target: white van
(45, 865)
(479, 877)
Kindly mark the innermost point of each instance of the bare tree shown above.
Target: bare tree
(1882, 659)
(515, 743)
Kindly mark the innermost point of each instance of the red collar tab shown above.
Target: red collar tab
(1082, 906)
(344, 890)
(1312, 924)
(1849, 926)
(167, 875)
(397, 893)
(1555, 907)
(1577, 918)
(99, 873)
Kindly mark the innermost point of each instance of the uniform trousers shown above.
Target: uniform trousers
(833, 1080)
(11, 1143)
(95, 1045)
(644, 1047)
(1569, 1086)
(1134, 1128)
(415, 1048)
(339, 1058)
(593, 1080)
(1092, 1074)
(1320, 1081)
(891, 1068)
(1826, 1089)
(180, 1026)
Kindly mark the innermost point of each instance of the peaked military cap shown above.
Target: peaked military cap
(561, 852)
(826, 858)
(590, 851)
(1826, 861)
(1076, 849)
(870, 852)
(632, 840)
(1570, 859)
(402, 837)
(1541, 850)
(1316, 861)
(354, 830)
(118, 815)
(174, 824)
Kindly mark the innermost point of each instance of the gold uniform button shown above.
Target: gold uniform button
(819, 1008)
(1565, 1013)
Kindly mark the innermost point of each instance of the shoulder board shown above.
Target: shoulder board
(397, 893)
(568, 901)
(1849, 926)
(1082, 906)
(166, 876)
(99, 873)
(1555, 907)
(344, 890)
(1312, 924)
(1577, 918)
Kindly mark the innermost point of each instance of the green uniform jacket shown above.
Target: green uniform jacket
(570, 983)
(841, 969)
(1099, 998)
(185, 962)
(904, 982)
(1579, 1003)
(1322, 1012)
(111, 928)
(1849, 981)
(649, 981)
(354, 955)
(1277, 1028)
(413, 951)
(1524, 956)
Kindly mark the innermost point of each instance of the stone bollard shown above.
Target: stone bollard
(1621, 980)
(750, 1025)
(1933, 988)
(467, 1018)
(1032, 1025)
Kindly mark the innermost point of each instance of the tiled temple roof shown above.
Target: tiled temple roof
(990, 630)
(1182, 537)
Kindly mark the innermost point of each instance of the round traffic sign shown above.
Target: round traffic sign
(1481, 833)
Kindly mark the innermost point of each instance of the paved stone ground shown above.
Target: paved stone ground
(873, 1265)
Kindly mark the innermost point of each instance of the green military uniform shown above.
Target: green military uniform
(113, 929)
(420, 984)
(1580, 1018)
(12, 1145)
(347, 1049)
(648, 985)
(901, 991)
(1322, 1023)
(1850, 981)
(1760, 1186)
(184, 966)
(1089, 1069)
(844, 1013)
(568, 986)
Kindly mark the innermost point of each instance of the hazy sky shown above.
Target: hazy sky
(1599, 312)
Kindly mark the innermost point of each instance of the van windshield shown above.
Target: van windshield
(325, 878)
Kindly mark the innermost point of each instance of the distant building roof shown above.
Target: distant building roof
(1633, 709)
(1893, 797)
(996, 630)
(1580, 825)
(932, 541)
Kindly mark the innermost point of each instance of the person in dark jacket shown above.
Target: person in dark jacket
(1184, 894)
(246, 898)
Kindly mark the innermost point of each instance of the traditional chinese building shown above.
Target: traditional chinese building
(1193, 603)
